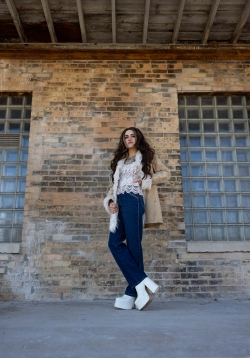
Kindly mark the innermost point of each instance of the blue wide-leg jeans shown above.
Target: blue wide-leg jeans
(129, 255)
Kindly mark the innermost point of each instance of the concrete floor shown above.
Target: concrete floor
(91, 329)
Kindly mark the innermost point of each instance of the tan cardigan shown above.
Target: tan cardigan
(153, 214)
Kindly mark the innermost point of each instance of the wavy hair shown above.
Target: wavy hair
(141, 144)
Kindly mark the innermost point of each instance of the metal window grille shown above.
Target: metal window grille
(15, 114)
(215, 161)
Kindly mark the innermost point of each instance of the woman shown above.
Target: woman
(132, 200)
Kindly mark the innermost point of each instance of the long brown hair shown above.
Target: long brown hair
(141, 144)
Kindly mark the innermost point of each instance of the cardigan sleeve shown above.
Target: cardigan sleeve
(161, 173)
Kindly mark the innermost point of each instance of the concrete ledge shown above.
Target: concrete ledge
(10, 248)
(229, 246)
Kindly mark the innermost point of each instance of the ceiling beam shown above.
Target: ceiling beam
(81, 20)
(126, 52)
(210, 20)
(113, 21)
(13, 11)
(178, 21)
(241, 23)
(145, 25)
(48, 17)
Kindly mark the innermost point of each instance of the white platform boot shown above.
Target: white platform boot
(125, 302)
(145, 289)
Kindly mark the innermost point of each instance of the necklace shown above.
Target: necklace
(130, 160)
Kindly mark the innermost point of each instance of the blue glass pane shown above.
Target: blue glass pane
(233, 217)
(6, 217)
(21, 185)
(17, 235)
(244, 170)
(218, 233)
(210, 141)
(24, 155)
(223, 113)
(241, 141)
(217, 217)
(211, 156)
(25, 141)
(26, 126)
(228, 170)
(9, 170)
(216, 201)
(5, 234)
(247, 232)
(18, 217)
(201, 233)
(11, 155)
(7, 201)
(232, 200)
(188, 216)
(16, 114)
(239, 127)
(193, 113)
(20, 201)
(230, 185)
(1, 127)
(22, 170)
(196, 155)
(214, 185)
(245, 185)
(213, 170)
(14, 128)
(189, 233)
(8, 185)
(194, 141)
(199, 201)
(227, 155)
(246, 216)
(2, 114)
(238, 113)
(209, 127)
(224, 127)
(198, 185)
(186, 185)
(198, 170)
(187, 201)
(245, 201)
(200, 217)
(184, 155)
(234, 233)
(225, 141)
(242, 155)
(183, 141)
(194, 127)
(185, 170)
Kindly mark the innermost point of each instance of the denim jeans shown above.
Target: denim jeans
(129, 255)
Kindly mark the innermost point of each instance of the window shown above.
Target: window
(14, 138)
(215, 161)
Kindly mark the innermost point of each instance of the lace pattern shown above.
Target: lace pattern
(129, 173)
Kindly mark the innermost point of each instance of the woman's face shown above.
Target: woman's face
(130, 139)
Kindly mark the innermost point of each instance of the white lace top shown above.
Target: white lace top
(128, 174)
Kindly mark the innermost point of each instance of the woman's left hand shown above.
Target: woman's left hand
(139, 181)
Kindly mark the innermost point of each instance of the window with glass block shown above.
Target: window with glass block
(215, 161)
(15, 114)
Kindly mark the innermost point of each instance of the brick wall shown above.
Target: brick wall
(79, 109)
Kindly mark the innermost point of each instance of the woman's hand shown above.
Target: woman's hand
(113, 208)
(139, 181)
